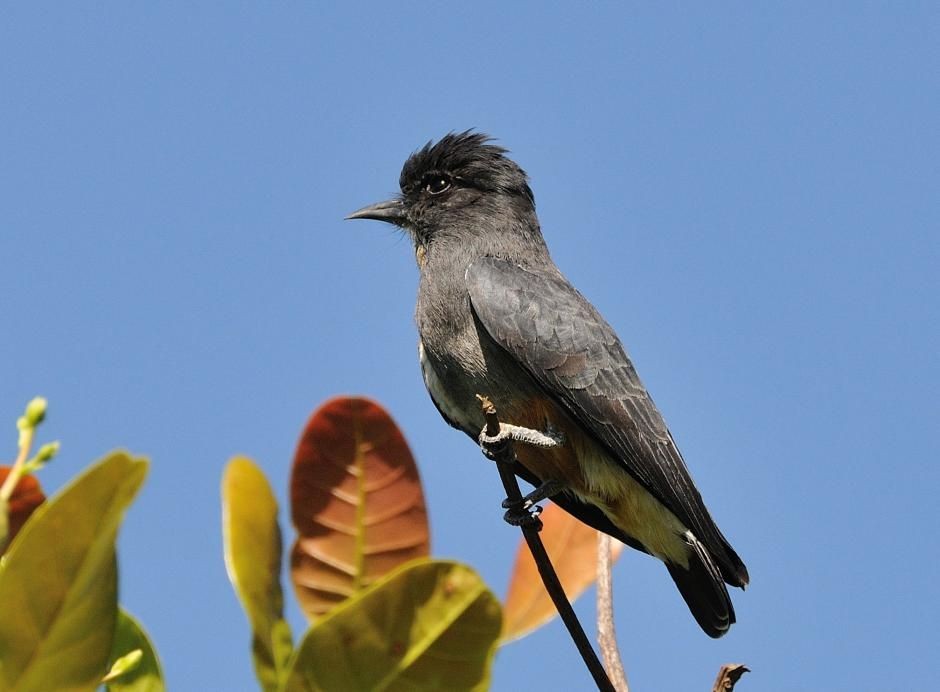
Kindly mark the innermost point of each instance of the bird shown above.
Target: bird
(496, 316)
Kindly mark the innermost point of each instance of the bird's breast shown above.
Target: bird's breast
(449, 399)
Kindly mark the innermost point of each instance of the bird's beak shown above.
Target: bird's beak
(392, 211)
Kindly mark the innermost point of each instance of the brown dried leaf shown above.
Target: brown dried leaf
(26, 497)
(572, 547)
(356, 502)
(728, 676)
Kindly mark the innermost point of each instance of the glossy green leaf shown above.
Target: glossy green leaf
(58, 584)
(429, 625)
(252, 540)
(143, 673)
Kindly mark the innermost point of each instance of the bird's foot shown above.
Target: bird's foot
(522, 513)
(526, 511)
(495, 445)
(544, 491)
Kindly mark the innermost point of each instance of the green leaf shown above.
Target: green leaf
(252, 540)
(429, 625)
(124, 665)
(58, 584)
(134, 663)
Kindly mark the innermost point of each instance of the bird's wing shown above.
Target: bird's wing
(564, 343)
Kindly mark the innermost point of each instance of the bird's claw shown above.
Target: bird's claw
(522, 513)
(493, 446)
(525, 511)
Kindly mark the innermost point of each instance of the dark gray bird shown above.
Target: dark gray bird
(497, 317)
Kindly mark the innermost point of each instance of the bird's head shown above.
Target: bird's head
(462, 185)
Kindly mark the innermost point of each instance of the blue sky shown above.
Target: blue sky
(749, 195)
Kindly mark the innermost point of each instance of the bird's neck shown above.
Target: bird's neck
(513, 235)
(443, 310)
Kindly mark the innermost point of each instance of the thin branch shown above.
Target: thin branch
(606, 634)
(505, 457)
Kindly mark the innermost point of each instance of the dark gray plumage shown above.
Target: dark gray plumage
(497, 317)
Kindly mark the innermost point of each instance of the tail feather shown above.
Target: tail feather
(731, 567)
(703, 589)
(701, 585)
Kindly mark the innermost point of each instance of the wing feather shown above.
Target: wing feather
(559, 337)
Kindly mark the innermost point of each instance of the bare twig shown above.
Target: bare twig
(505, 457)
(606, 634)
(728, 676)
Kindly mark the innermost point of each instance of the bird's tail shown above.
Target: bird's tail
(703, 589)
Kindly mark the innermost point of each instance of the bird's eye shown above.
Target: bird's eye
(436, 184)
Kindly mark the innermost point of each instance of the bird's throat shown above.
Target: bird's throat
(421, 254)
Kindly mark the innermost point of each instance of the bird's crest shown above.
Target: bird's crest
(470, 157)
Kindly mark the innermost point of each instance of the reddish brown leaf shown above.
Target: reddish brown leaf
(356, 502)
(27, 496)
(572, 547)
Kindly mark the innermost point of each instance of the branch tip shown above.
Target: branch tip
(489, 411)
(728, 676)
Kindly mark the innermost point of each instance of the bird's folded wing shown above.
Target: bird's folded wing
(561, 339)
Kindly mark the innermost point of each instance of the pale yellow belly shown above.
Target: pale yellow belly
(593, 477)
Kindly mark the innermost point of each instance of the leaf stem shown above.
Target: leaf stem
(19, 466)
(606, 634)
